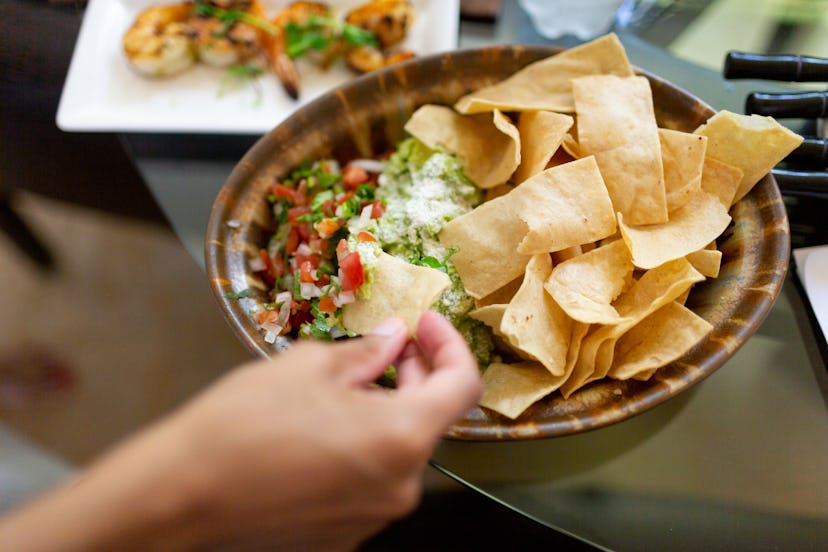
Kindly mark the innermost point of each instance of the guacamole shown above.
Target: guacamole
(422, 190)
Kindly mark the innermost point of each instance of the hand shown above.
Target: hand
(300, 451)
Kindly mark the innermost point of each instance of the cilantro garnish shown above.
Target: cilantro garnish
(233, 15)
(240, 295)
(319, 32)
(433, 262)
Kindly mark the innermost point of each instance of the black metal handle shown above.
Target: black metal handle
(805, 105)
(742, 65)
(812, 152)
(802, 182)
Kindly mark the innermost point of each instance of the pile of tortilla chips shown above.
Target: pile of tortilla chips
(597, 223)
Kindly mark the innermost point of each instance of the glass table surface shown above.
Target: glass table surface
(740, 460)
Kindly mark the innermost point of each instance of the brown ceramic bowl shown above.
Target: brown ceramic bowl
(367, 116)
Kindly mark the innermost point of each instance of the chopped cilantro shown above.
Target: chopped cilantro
(319, 32)
(240, 295)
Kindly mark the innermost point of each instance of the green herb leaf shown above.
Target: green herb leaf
(228, 17)
(321, 198)
(358, 36)
(240, 295)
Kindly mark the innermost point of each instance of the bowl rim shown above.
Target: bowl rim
(776, 249)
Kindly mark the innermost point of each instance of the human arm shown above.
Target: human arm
(297, 451)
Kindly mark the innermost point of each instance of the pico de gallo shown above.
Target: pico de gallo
(331, 223)
(310, 261)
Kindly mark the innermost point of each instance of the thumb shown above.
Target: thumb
(361, 361)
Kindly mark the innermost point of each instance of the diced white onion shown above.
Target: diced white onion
(270, 337)
(304, 249)
(333, 166)
(365, 215)
(257, 264)
(309, 291)
(233, 223)
(336, 332)
(344, 298)
(283, 297)
(284, 314)
(271, 327)
(369, 165)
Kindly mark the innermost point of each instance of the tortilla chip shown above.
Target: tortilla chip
(500, 296)
(510, 389)
(570, 145)
(659, 339)
(682, 156)
(633, 177)
(721, 180)
(616, 123)
(653, 290)
(563, 206)
(706, 261)
(614, 111)
(533, 323)
(544, 84)
(541, 133)
(586, 285)
(645, 375)
(753, 143)
(690, 228)
(486, 239)
(576, 338)
(491, 315)
(488, 144)
(398, 289)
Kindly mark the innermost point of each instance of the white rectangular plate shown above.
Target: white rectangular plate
(103, 94)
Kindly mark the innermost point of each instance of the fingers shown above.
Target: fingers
(412, 367)
(361, 361)
(453, 385)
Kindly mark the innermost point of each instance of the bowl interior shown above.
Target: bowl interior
(367, 116)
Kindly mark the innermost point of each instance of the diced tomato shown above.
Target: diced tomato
(353, 176)
(268, 316)
(300, 313)
(306, 231)
(318, 245)
(292, 241)
(345, 197)
(377, 209)
(269, 274)
(286, 192)
(326, 304)
(328, 207)
(326, 227)
(312, 258)
(352, 275)
(295, 212)
(278, 265)
(366, 237)
(306, 272)
(342, 248)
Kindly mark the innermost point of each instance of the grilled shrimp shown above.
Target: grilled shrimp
(389, 21)
(365, 59)
(159, 43)
(276, 45)
(222, 43)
